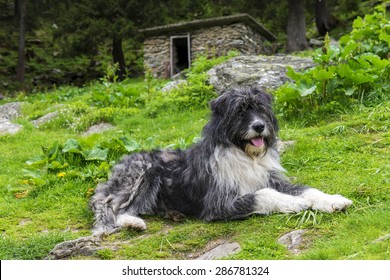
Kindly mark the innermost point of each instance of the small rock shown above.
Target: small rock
(7, 127)
(221, 251)
(84, 246)
(315, 43)
(10, 110)
(99, 128)
(293, 240)
(24, 222)
(44, 119)
(268, 72)
(172, 84)
(382, 238)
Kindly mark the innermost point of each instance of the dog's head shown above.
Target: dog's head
(243, 117)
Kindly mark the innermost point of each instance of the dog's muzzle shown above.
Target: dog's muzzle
(258, 127)
(256, 145)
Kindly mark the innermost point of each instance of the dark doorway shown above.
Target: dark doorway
(180, 54)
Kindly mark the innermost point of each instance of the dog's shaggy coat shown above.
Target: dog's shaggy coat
(232, 172)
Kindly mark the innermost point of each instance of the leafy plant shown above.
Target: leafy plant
(74, 159)
(194, 93)
(111, 93)
(357, 71)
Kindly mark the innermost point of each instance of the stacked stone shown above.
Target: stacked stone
(157, 55)
(216, 40)
(219, 40)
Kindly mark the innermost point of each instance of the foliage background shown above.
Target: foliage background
(71, 41)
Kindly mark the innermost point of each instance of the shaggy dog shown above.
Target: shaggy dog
(232, 172)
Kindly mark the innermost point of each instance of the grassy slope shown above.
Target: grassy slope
(349, 156)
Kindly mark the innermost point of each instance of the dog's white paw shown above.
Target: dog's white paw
(295, 204)
(269, 200)
(326, 202)
(128, 221)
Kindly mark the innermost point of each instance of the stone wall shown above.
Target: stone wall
(220, 40)
(217, 40)
(157, 55)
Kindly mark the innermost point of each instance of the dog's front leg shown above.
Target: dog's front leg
(315, 198)
(270, 200)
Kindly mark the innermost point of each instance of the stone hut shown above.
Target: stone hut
(169, 49)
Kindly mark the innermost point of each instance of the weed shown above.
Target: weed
(308, 217)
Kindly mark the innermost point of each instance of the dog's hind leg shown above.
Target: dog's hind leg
(138, 199)
(128, 221)
(101, 205)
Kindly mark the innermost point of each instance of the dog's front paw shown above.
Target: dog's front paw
(326, 202)
(332, 203)
(294, 204)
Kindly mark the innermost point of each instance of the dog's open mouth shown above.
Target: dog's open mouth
(257, 142)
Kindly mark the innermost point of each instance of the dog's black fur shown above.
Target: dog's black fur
(232, 172)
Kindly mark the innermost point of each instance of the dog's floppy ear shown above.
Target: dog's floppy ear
(268, 98)
(219, 104)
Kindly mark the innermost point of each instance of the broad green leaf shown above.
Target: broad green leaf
(343, 70)
(286, 93)
(53, 151)
(95, 154)
(361, 78)
(349, 48)
(345, 40)
(375, 60)
(29, 174)
(350, 91)
(37, 161)
(55, 165)
(72, 146)
(304, 90)
(385, 37)
(114, 144)
(296, 76)
(322, 74)
(130, 144)
(332, 85)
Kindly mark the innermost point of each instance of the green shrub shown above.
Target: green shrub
(83, 159)
(195, 93)
(357, 71)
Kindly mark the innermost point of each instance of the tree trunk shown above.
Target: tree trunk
(296, 26)
(324, 20)
(21, 9)
(118, 57)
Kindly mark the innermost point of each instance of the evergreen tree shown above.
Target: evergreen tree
(87, 24)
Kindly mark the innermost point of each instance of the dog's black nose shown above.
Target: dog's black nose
(258, 127)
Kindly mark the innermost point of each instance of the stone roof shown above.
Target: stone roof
(209, 22)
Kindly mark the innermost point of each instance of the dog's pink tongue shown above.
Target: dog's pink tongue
(257, 142)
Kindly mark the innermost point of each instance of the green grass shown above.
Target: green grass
(347, 155)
